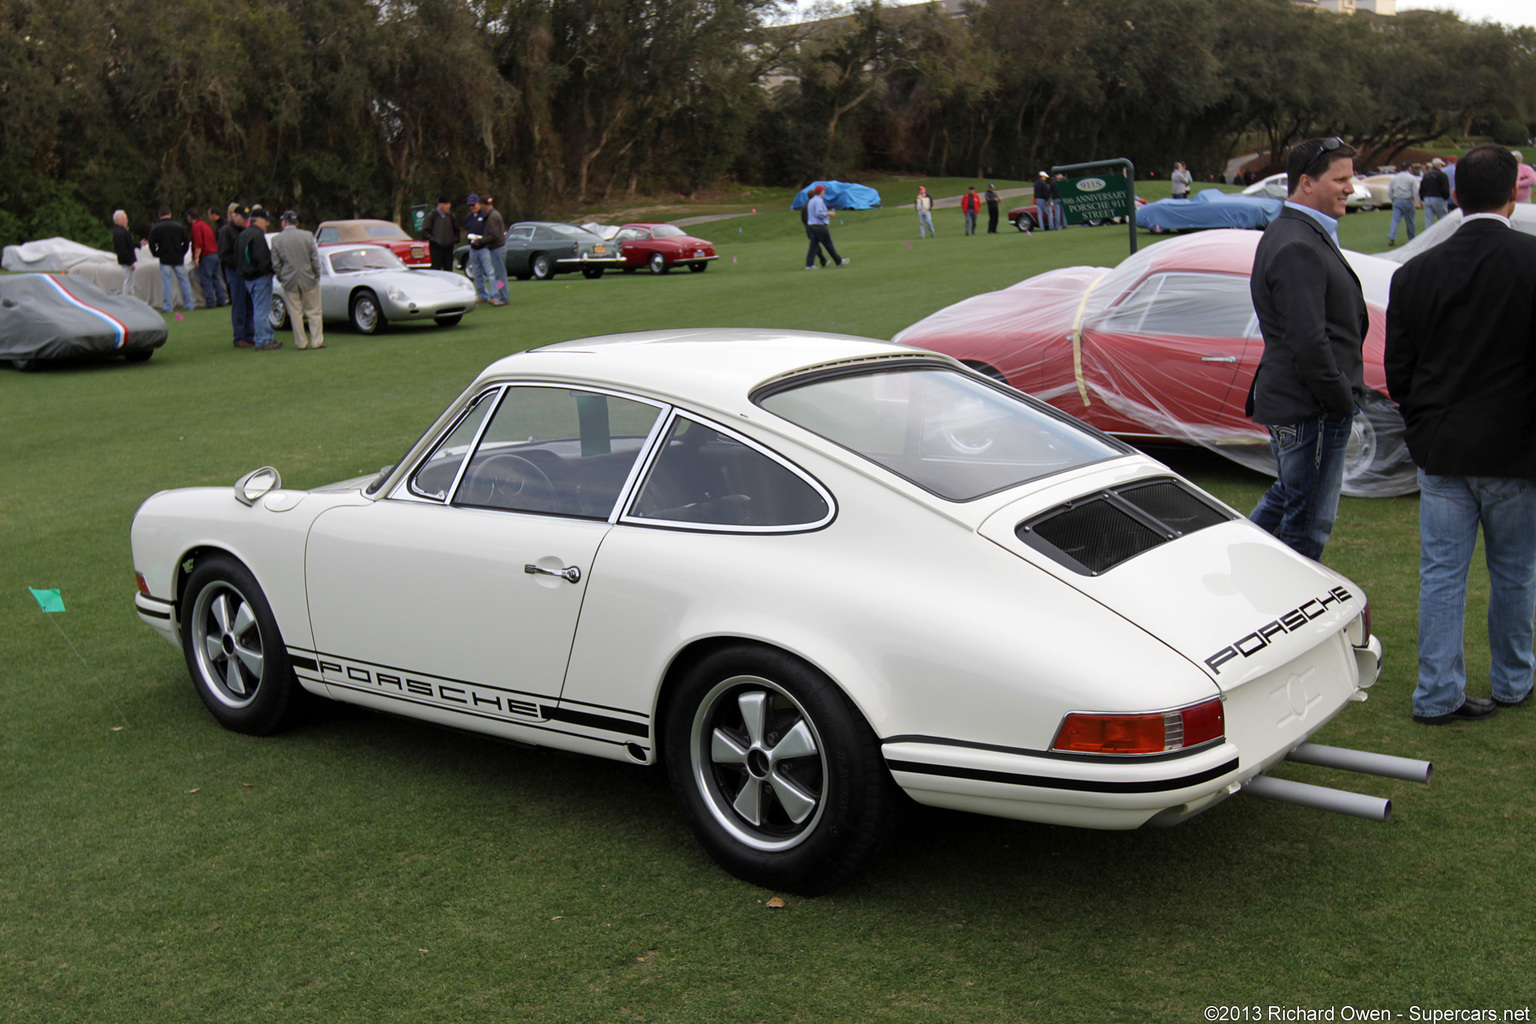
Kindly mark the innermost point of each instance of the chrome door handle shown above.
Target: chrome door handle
(570, 573)
(1218, 359)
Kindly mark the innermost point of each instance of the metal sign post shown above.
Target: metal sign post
(1100, 197)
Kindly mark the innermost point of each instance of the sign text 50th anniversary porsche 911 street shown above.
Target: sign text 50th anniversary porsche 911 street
(808, 573)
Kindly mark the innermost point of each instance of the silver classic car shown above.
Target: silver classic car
(369, 286)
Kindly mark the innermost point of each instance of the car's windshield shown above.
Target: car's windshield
(352, 261)
(944, 430)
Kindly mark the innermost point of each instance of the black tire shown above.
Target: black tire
(27, 365)
(277, 314)
(141, 356)
(697, 268)
(800, 800)
(658, 263)
(234, 651)
(448, 321)
(592, 273)
(541, 266)
(1025, 222)
(367, 317)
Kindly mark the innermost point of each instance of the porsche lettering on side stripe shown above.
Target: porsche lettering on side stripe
(478, 699)
(1291, 621)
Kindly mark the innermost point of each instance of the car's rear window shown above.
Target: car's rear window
(945, 430)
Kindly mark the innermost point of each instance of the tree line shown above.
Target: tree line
(342, 108)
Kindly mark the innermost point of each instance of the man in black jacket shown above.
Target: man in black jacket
(442, 230)
(228, 237)
(1461, 363)
(1435, 192)
(127, 252)
(1313, 318)
(253, 258)
(168, 242)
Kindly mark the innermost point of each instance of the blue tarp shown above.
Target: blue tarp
(841, 195)
(1211, 208)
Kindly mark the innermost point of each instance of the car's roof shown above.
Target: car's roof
(710, 367)
(358, 221)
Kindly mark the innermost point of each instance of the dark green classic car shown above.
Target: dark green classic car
(541, 249)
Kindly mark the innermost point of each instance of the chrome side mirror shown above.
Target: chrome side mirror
(250, 488)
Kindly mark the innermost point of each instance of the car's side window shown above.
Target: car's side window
(630, 235)
(543, 234)
(435, 477)
(521, 234)
(1188, 305)
(557, 451)
(328, 235)
(703, 476)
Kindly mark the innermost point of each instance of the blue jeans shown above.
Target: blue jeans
(925, 224)
(970, 222)
(239, 305)
(499, 266)
(179, 272)
(211, 275)
(1434, 209)
(1059, 207)
(261, 308)
(1450, 509)
(1402, 209)
(1301, 506)
(483, 273)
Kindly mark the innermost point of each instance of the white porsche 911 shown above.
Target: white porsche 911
(809, 573)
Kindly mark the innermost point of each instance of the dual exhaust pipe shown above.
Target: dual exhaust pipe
(1337, 800)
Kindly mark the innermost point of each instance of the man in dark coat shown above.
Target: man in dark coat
(127, 252)
(239, 295)
(1313, 318)
(1461, 363)
(169, 242)
(253, 258)
(442, 230)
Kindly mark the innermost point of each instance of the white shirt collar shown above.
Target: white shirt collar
(1487, 216)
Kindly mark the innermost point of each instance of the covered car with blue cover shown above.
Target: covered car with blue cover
(54, 316)
(841, 195)
(1210, 208)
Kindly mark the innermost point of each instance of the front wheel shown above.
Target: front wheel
(366, 315)
(781, 778)
(140, 356)
(236, 656)
(277, 313)
(542, 267)
(1025, 222)
(448, 321)
(1376, 460)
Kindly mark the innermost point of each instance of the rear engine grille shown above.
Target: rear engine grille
(1095, 533)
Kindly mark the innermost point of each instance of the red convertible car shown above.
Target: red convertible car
(392, 236)
(659, 247)
(1163, 348)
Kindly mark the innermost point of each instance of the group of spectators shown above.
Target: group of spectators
(486, 233)
(1434, 188)
(236, 268)
(1460, 363)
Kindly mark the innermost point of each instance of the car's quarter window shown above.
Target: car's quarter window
(667, 231)
(556, 450)
(945, 430)
(434, 479)
(703, 476)
(1187, 305)
(543, 234)
(329, 235)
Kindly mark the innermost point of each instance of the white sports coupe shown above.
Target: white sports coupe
(809, 573)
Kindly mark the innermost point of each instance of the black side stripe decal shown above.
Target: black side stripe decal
(1047, 782)
(595, 721)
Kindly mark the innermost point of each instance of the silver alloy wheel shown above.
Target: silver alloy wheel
(227, 643)
(1025, 222)
(542, 266)
(759, 763)
(658, 263)
(1360, 449)
(277, 315)
(365, 312)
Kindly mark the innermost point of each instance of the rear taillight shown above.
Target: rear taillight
(1154, 733)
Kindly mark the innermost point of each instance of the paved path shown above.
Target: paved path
(938, 204)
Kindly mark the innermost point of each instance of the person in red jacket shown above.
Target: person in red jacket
(970, 205)
(205, 257)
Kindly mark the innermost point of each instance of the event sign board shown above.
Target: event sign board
(1095, 197)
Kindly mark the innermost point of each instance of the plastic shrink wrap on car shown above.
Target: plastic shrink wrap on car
(49, 316)
(1210, 208)
(841, 195)
(1524, 218)
(1149, 351)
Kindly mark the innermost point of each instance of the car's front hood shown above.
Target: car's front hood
(1228, 597)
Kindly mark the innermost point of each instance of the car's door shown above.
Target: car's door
(519, 239)
(1172, 347)
(456, 597)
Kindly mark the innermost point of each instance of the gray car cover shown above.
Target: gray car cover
(57, 316)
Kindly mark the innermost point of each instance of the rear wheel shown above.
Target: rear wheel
(781, 778)
(138, 357)
(592, 273)
(697, 268)
(542, 267)
(277, 315)
(236, 656)
(1025, 222)
(658, 263)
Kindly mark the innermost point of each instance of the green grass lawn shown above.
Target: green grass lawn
(154, 867)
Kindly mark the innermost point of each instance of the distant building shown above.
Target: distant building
(1380, 8)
